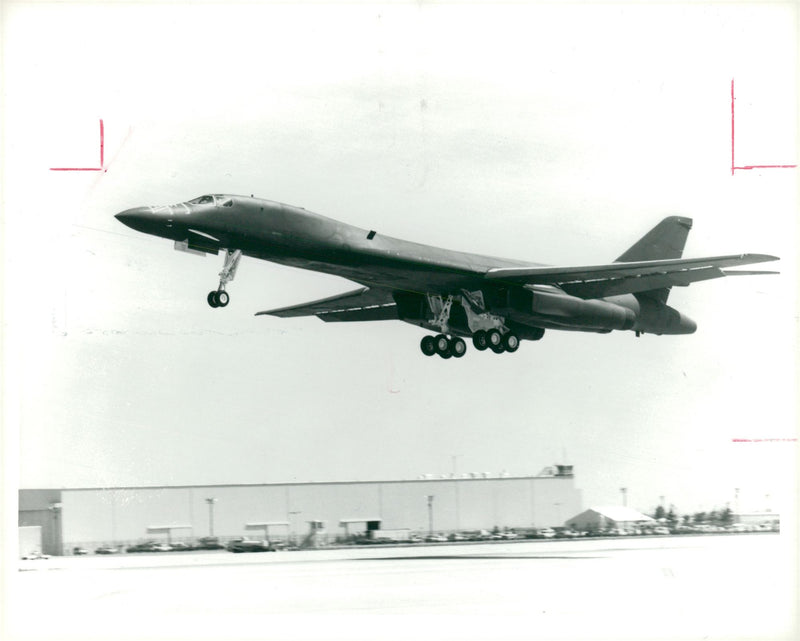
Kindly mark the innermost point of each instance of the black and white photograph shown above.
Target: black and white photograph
(414, 320)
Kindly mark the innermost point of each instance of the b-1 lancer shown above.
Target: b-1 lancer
(494, 301)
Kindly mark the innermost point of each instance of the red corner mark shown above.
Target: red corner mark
(102, 159)
(733, 146)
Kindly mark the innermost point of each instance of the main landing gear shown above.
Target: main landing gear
(482, 340)
(494, 340)
(219, 297)
(443, 346)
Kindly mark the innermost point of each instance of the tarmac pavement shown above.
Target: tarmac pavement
(687, 587)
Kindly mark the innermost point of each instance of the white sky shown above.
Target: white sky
(555, 133)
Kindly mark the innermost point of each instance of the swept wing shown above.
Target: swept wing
(596, 281)
(362, 304)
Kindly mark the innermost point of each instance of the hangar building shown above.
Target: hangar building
(615, 516)
(89, 517)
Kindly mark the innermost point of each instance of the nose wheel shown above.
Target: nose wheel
(218, 298)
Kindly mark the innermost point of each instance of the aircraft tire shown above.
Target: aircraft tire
(446, 355)
(479, 340)
(428, 345)
(494, 338)
(212, 299)
(511, 342)
(498, 349)
(442, 344)
(223, 298)
(458, 347)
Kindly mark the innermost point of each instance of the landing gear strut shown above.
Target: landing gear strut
(219, 297)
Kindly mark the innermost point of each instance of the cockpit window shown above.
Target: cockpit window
(220, 200)
(203, 200)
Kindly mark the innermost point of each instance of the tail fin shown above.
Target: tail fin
(665, 240)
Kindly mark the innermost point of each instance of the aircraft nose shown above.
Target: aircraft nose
(136, 218)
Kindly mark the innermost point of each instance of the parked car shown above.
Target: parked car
(106, 549)
(144, 546)
(244, 545)
(436, 538)
(78, 551)
(546, 533)
(180, 546)
(209, 543)
(660, 530)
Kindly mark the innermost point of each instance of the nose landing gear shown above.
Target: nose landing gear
(219, 297)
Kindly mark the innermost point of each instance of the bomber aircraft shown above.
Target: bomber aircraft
(494, 301)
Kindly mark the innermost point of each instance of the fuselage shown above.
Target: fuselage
(300, 238)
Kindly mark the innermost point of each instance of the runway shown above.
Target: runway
(694, 587)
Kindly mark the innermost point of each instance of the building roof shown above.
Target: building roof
(442, 478)
(167, 528)
(363, 519)
(618, 513)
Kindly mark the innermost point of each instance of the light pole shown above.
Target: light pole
(430, 514)
(55, 508)
(624, 491)
(211, 502)
(291, 523)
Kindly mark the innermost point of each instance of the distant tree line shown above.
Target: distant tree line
(720, 517)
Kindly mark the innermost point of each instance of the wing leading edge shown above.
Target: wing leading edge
(596, 281)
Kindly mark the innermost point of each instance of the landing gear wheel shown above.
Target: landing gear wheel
(498, 349)
(511, 342)
(446, 355)
(212, 299)
(442, 345)
(479, 340)
(428, 345)
(458, 347)
(223, 299)
(494, 339)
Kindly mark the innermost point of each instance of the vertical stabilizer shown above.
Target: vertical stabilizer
(666, 240)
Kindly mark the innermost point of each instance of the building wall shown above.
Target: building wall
(43, 509)
(30, 540)
(95, 516)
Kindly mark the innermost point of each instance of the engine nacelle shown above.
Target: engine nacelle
(556, 308)
(654, 317)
